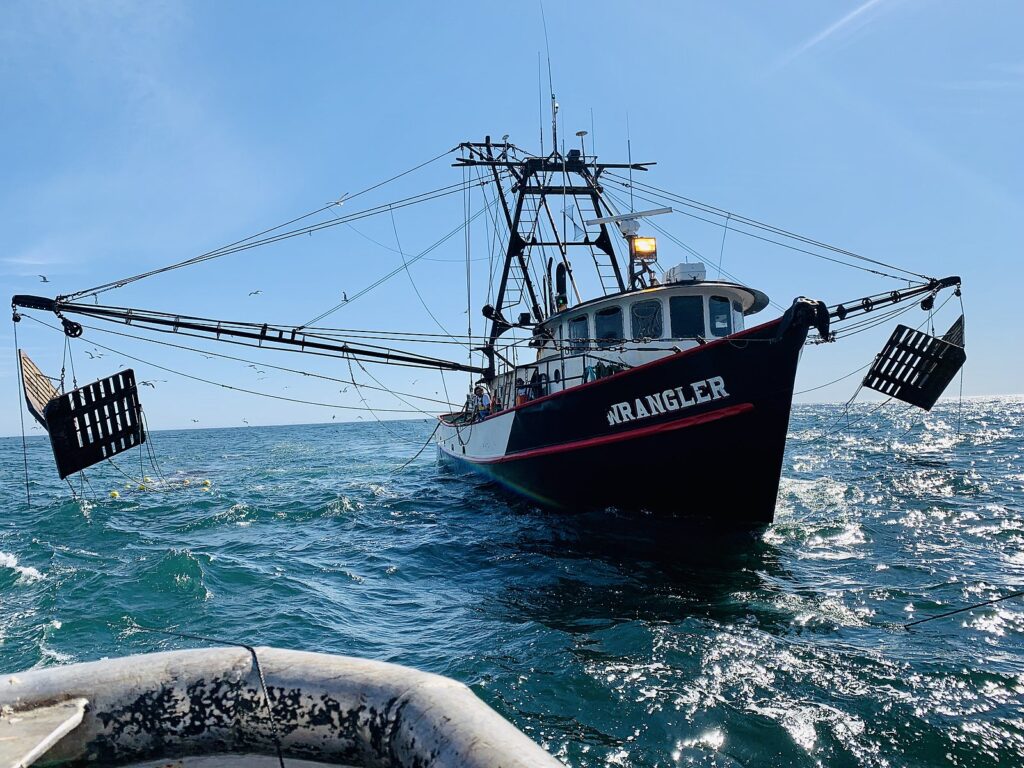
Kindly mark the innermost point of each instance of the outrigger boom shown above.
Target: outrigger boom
(252, 334)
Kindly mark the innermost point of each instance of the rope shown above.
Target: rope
(960, 405)
(834, 381)
(21, 409)
(151, 448)
(422, 448)
(255, 662)
(963, 610)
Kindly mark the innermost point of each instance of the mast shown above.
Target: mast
(532, 186)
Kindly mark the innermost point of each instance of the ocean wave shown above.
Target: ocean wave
(26, 573)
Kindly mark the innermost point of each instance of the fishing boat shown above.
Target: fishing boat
(603, 379)
(252, 707)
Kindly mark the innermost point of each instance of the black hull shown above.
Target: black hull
(720, 459)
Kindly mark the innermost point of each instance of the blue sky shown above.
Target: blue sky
(138, 134)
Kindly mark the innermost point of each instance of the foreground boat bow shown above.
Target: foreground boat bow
(332, 710)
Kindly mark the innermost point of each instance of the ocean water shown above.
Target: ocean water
(611, 640)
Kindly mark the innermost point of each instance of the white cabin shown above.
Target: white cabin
(602, 336)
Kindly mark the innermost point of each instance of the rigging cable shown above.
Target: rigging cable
(416, 289)
(397, 395)
(389, 275)
(768, 228)
(374, 412)
(21, 408)
(247, 243)
(469, 283)
(721, 250)
(696, 254)
(704, 207)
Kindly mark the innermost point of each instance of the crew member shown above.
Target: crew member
(481, 402)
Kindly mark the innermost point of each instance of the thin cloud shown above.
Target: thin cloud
(857, 15)
(1001, 78)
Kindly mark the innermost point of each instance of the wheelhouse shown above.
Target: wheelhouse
(604, 336)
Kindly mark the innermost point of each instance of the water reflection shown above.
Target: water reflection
(606, 568)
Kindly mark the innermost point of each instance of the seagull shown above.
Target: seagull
(334, 416)
(195, 421)
(44, 278)
(255, 293)
(343, 391)
(245, 420)
(148, 384)
(208, 357)
(93, 356)
(344, 297)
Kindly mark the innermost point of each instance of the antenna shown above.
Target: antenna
(593, 135)
(583, 147)
(540, 105)
(551, 87)
(629, 158)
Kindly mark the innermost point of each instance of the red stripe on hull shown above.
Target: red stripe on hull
(692, 421)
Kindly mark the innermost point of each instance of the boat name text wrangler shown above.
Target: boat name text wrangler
(704, 391)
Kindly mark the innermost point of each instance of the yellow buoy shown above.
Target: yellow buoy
(141, 487)
(147, 480)
(207, 483)
(186, 481)
(206, 488)
(114, 495)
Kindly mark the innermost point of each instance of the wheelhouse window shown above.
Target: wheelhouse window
(686, 314)
(645, 319)
(579, 333)
(608, 327)
(720, 311)
(737, 315)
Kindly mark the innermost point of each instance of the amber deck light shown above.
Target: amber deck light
(644, 248)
